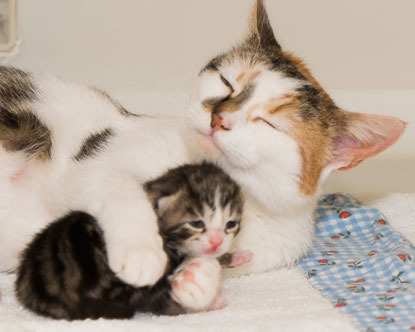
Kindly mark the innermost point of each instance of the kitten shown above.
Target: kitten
(64, 271)
(256, 111)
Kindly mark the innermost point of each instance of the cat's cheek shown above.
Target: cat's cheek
(238, 149)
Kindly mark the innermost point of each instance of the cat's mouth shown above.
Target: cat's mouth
(208, 144)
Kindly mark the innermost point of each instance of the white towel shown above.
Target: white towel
(280, 300)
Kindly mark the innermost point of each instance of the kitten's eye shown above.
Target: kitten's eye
(265, 121)
(231, 224)
(199, 224)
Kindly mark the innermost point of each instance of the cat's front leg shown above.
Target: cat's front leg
(196, 284)
(135, 248)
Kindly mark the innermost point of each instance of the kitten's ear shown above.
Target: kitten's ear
(162, 191)
(165, 202)
(261, 30)
(364, 136)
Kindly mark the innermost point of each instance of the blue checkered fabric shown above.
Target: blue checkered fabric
(362, 265)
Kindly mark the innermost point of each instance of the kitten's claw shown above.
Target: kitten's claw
(196, 284)
(240, 258)
(138, 263)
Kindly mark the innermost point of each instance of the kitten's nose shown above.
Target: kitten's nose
(215, 240)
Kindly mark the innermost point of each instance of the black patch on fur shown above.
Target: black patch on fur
(262, 32)
(64, 272)
(226, 259)
(284, 65)
(310, 105)
(93, 144)
(15, 87)
(20, 129)
(23, 131)
(315, 106)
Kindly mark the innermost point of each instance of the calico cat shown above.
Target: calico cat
(65, 274)
(256, 111)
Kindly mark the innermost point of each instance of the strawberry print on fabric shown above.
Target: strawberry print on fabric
(362, 265)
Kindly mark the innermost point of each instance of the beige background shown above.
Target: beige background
(147, 52)
(161, 44)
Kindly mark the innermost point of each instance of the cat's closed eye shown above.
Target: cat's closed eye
(265, 121)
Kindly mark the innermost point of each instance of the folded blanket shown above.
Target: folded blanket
(281, 300)
(362, 265)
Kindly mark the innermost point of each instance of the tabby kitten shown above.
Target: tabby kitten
(65, 272)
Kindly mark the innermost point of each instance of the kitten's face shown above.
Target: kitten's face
(199, 209)
(258, 112)
(202, 229)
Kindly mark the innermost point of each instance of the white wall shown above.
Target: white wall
(160, 44)
(148, 51)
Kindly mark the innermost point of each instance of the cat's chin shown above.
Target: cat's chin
(208, 145)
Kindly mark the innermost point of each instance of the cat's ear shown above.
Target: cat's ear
(364, 136)
(261, 33)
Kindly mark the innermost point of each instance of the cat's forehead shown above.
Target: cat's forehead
(266, 77)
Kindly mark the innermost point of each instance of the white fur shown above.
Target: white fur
(108, 186)
(277, 225)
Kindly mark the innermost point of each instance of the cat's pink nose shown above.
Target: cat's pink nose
(219, 123)
(216, 122)
(215, 240)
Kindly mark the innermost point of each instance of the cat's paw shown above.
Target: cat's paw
(139, 263)
(240, 258)
(196, 284)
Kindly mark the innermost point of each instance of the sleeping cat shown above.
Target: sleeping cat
(64, 271)
(256, 111)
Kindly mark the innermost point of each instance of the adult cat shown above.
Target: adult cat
(256, 111)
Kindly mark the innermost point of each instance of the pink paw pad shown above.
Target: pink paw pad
(241, 258)
(194, 264)
(188, 275)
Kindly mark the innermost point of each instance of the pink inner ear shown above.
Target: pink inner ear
(366, 136)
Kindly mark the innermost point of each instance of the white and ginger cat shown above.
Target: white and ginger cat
(256, 111)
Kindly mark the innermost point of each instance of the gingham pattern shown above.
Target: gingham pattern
(362, 265)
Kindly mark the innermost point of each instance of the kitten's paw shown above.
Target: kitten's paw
(196, 284)
(240, 258)
(220, 303)
(139, 263)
